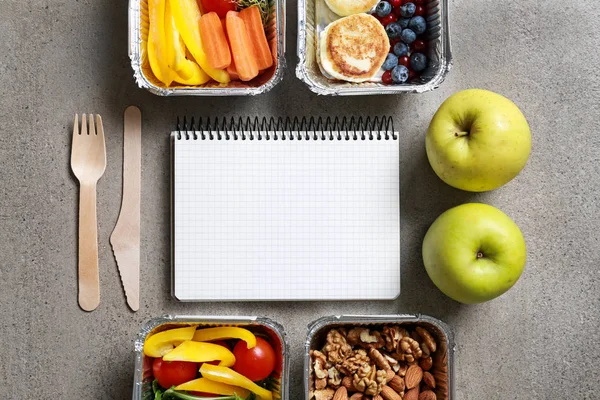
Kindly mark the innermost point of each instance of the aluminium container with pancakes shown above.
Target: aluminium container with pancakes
(315, 15)
(138, 36)
(142, 379)
(443, 358)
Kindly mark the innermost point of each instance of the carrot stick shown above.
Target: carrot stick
(214, 41)
(258, 39)
(241, 48)
(233, 72)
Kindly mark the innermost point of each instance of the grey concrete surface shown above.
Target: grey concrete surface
(541, 340)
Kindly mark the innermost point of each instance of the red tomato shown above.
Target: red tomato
(256, 363)
(173, 373)
(221, 7)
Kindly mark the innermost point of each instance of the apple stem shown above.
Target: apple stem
(479, 254)
(460, 134)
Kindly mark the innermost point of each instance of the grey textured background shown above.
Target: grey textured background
(538, 341)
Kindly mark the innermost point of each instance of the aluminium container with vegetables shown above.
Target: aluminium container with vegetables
(379, 355)
(211, 358)
(207, 47)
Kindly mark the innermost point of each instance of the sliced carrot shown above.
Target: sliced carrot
(214, 41)
(232, 71)
(258, 39)
(241, 48)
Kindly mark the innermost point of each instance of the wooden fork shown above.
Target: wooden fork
(88, 161)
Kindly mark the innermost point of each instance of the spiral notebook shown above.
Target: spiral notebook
(285, 210)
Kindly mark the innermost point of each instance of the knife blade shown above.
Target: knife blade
(125, 238)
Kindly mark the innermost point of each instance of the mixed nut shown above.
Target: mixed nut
(392, 363)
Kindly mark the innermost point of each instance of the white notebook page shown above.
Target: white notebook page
(286, 219)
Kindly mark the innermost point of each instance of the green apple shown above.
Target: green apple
(474, 253)
(478, 140)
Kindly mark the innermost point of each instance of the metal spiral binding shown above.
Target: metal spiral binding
(376, 128)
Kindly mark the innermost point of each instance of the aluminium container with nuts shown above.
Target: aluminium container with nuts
(271, 330)
(314, 16)
(144, 77)
(393, 357)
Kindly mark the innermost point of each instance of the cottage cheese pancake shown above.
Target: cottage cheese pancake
(353, 48)
(344, 8)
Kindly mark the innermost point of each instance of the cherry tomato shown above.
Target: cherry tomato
(221, 7)
(256, 363)
(404, 60)
(395, 3)
(420, 11)
(387, 77)
(418, 46)
(388, 19)
(173, 373)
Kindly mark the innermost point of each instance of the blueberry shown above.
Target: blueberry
(390, 62)
(400, 49)
(408, 10)
(394, 30)
(399, 74)
(418, 24)
(404, 22)
(383, 9)
(407, 36)
(418, 61)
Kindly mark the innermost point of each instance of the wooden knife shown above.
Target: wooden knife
(125, 238)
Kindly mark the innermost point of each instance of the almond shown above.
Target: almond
(390, 374)
(427, 395)
(426, 363)
(390, 394)
(341, 394)
(429, 379)
(356, 396)
(347, 382)
(397, 384)
(412, 394)
(413, 376)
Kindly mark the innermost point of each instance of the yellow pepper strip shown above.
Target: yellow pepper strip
(223, 333)
(186, 71)
(187, 21)
(201, 352)
(230, 377)
(207, 386)
(161, 343)
(157, 51)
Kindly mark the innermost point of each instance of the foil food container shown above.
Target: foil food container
(142, 380)
(142, 73)
(443, 358)
(313, 18)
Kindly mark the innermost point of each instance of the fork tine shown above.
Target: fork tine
(83, 125)
(92, 127)
(76, 125)
(99, 127)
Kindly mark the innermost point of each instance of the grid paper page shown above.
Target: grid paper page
(286, 219)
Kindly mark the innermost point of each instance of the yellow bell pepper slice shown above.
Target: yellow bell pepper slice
(223, 333)
(186, 71)
(230, 377)
(201, 352)
(212, 387)
(161, 343)
(157, 46)
(187, 21)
